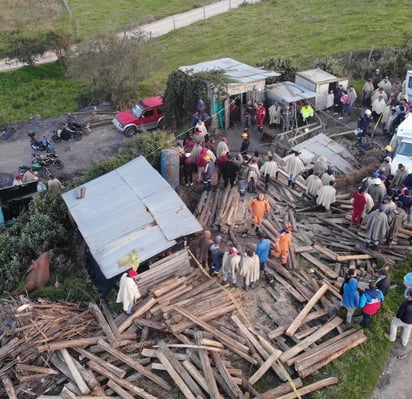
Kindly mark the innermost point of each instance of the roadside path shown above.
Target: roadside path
(157, 28)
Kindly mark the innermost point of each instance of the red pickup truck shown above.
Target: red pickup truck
(145, 115)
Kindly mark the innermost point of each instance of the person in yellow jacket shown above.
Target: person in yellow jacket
(283, 243)
(258, 207)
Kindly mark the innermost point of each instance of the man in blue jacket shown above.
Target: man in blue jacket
(262, 251)
(350, 298)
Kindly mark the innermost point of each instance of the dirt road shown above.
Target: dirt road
(15, 149)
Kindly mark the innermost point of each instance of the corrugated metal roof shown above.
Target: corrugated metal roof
(130, 208)
(234, 70)
(317, 75)
(288, 92)
(339, 158)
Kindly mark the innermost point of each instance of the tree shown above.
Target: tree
(282, 65)
(112, 65)
(24, 47)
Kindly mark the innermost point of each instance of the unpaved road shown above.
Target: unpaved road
(15, 149)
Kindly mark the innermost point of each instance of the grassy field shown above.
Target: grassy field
(292, 29)
(86, 18)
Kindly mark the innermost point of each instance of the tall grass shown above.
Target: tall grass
(41, 90)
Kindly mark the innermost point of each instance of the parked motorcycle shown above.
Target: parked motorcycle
(65, 133)
(40, 145)
(38, 169)
(75, 125)
(48, 160)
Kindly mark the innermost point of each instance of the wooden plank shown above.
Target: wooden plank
(207, 369)
(281, 389)
(226, 376)
(261, 371)
(117, 371)
(294, 350)
(170, 359)
(135, 365)
(119, 390)
(197, 376)
(305, 311)
(223, 337)
(35, 369)
(102, 322)
(175, 376)
(77, 378)
(71, 343)
(9, 387)
(316, 386)
(324, 268)
(146, 305)
(141, 393)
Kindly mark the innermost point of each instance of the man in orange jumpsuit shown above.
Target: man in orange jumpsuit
(258, 207)
(283, 244)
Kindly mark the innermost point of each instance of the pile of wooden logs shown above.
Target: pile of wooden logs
(187, 333)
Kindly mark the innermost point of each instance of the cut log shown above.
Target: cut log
(305, 311)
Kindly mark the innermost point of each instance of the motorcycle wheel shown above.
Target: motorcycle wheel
(59, 164)
(77, 136)
(56, 138)
(47, 172)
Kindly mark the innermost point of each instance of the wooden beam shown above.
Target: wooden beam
(310, 388)
(305, 311)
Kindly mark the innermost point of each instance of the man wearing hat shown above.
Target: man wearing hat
(377, 189)
(326, 196)
(383, 282)
(188, 168)
(377, 227)
(367, 91)
(400, 176)
(231, 266)
(294, 167)
(283, 243)
(128, 292)
(258, 207)
(216, 253)
(403, 319)
(245, 144)
(208, 171)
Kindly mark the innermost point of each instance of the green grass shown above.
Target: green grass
(42, 90)
(292, 29)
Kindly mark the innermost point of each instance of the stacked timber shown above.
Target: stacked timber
(185, 335)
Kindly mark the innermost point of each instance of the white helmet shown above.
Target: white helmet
(368, 112)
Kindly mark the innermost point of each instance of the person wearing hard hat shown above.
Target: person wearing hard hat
(245, 144)
(363, 123)
(283, 243)
(208, 171)
(258, 207)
